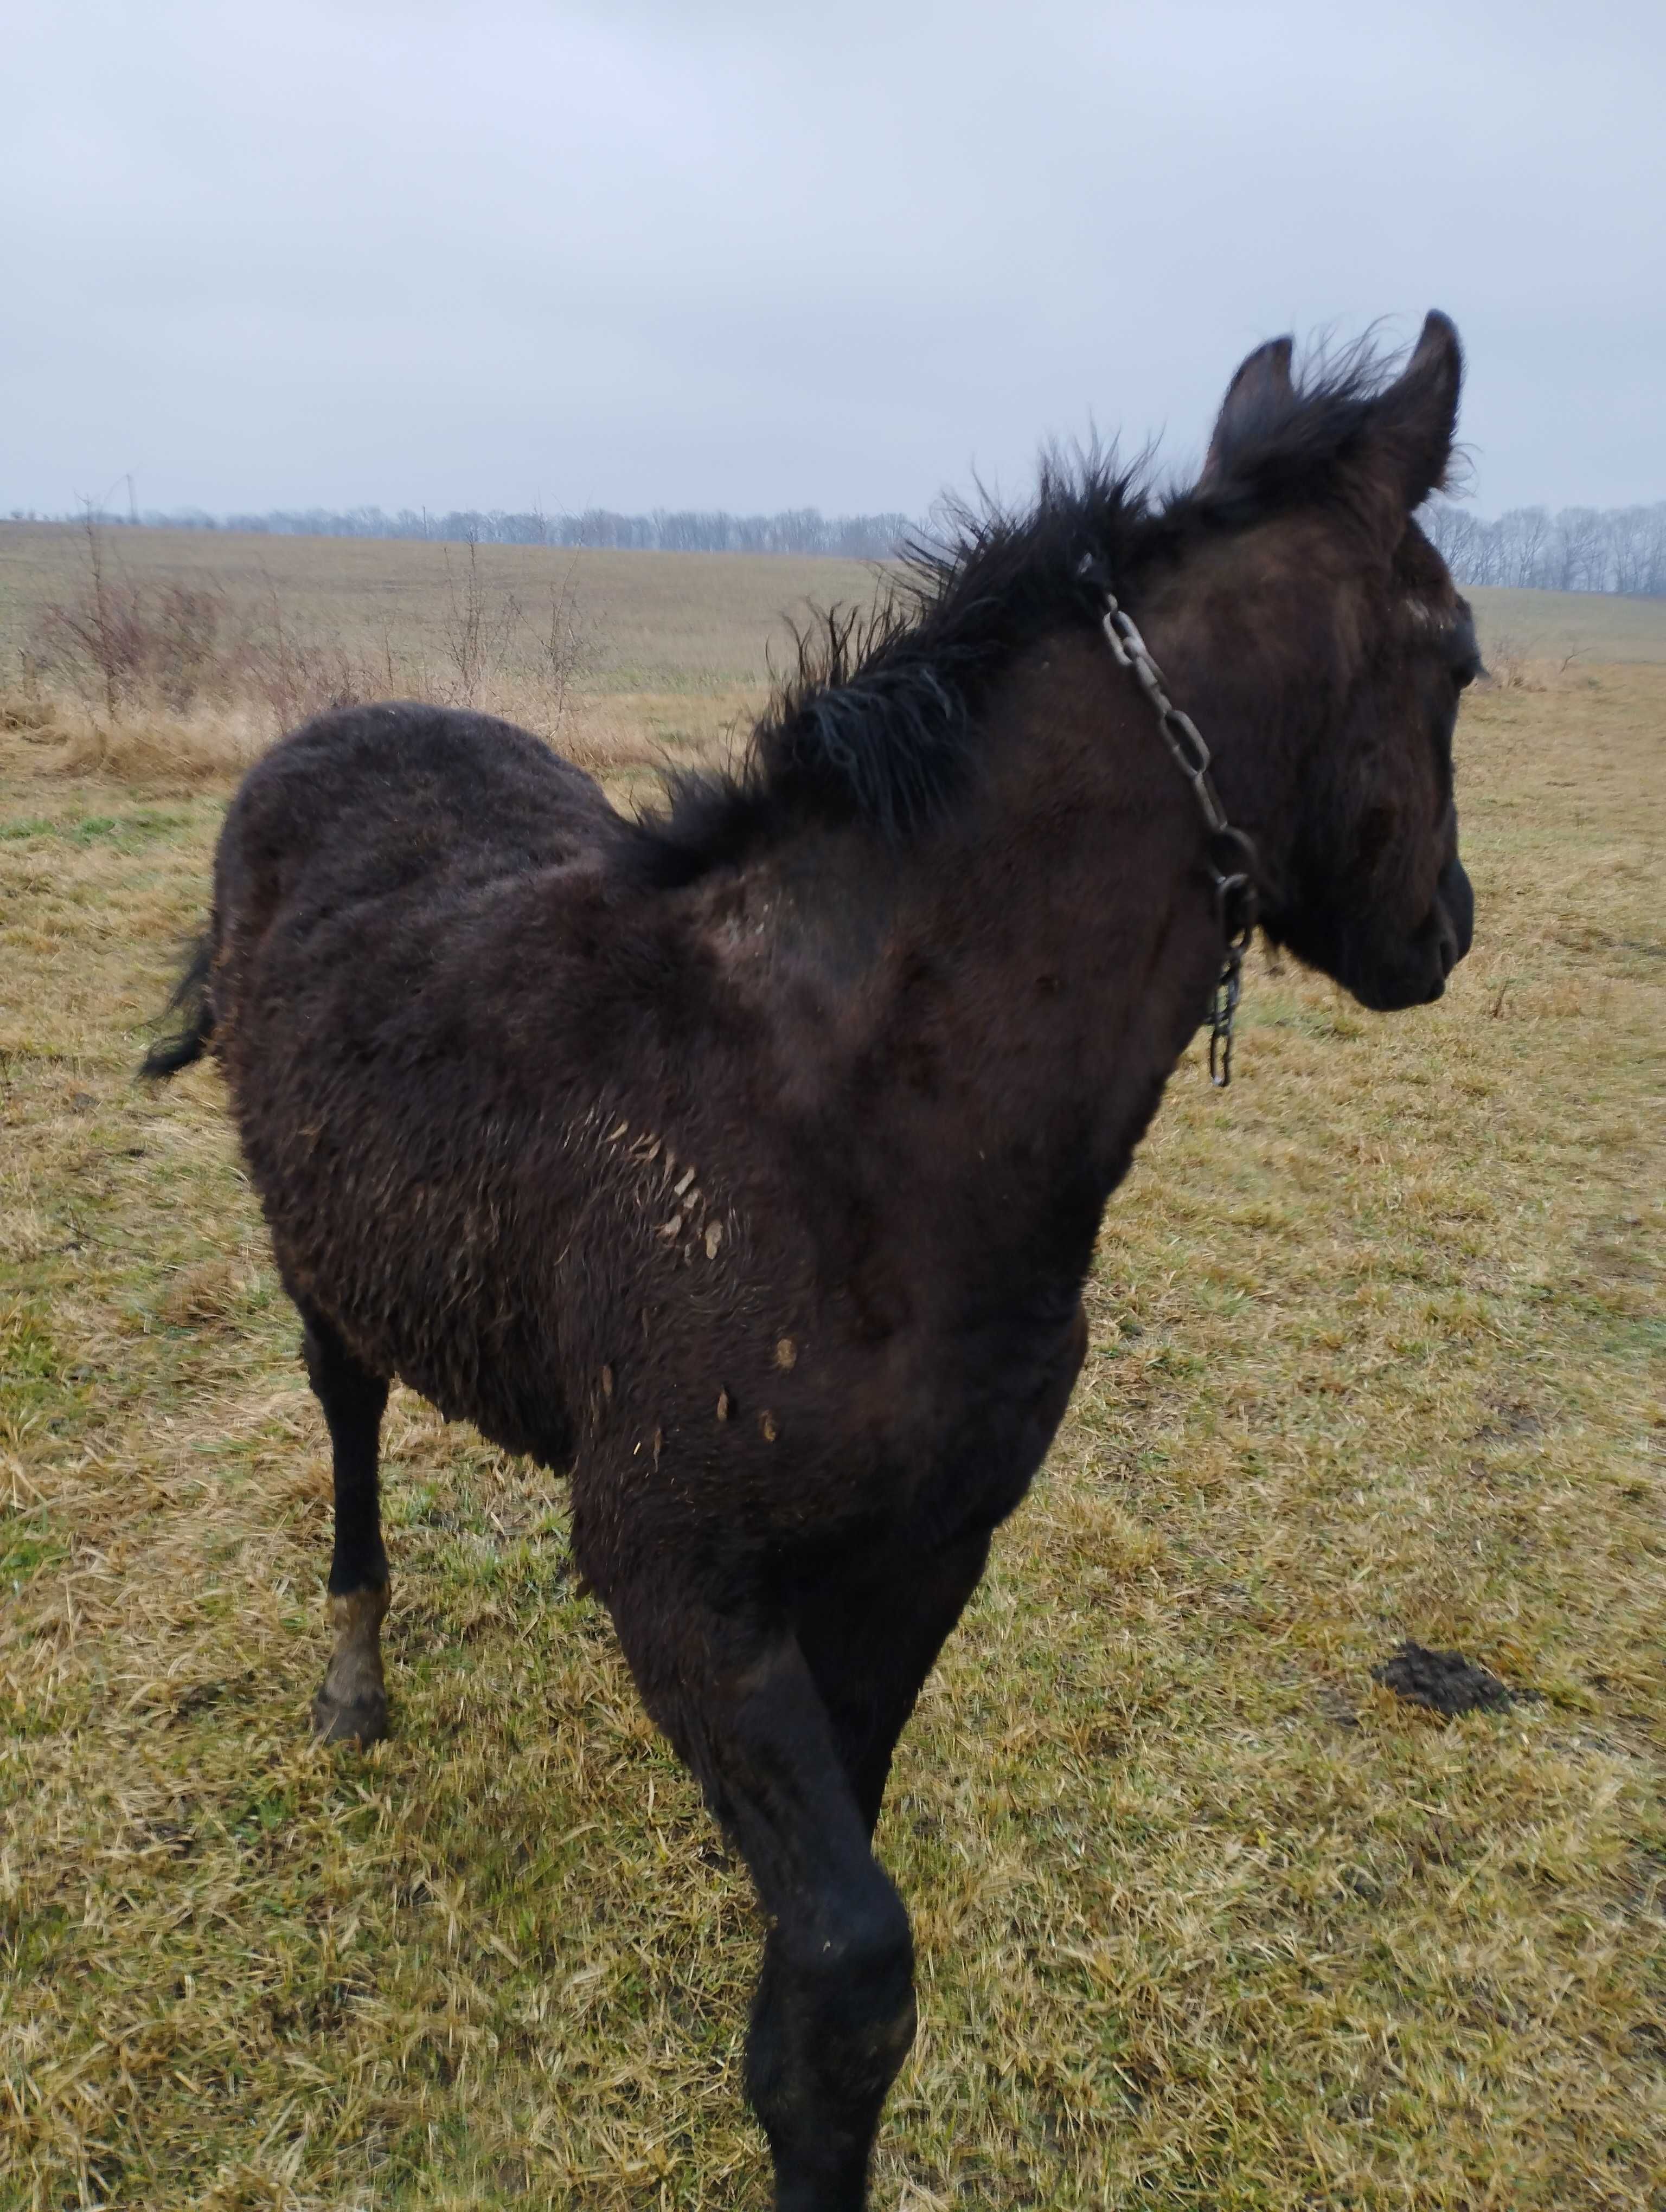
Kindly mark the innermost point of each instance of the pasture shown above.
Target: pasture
(1206, 1917)
(668, 650)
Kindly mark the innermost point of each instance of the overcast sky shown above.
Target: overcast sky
(717, 253)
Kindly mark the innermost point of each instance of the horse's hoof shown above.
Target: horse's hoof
(351, 1720)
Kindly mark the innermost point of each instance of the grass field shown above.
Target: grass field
(1205, 1918)
(672, 649)
(671, 652)
(676, 624)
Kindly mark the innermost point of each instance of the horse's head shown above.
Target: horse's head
(1346, 648)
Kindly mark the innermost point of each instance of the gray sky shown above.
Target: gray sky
(728, 254)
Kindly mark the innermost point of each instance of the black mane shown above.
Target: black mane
(878, 721)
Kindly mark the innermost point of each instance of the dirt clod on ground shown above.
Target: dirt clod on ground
(1446, 1681)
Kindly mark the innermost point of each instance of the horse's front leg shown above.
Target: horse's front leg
(834, 2016)
(871, 1635)
(353, 1701)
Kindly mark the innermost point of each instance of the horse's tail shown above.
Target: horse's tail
(187, 1041)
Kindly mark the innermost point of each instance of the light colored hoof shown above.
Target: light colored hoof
(352, 1705)
(355, 1720)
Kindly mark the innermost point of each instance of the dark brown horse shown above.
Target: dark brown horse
(746, 1161)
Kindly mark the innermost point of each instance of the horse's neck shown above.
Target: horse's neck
(1082, 926)
(1008, 1021)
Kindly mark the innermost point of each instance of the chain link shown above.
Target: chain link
(1232, 854)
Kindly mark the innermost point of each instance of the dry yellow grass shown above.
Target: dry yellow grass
(1205, 1917)
(663, 622)
(673, 652)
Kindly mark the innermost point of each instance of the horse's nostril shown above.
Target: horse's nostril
(1456, 902)
(1449, 936)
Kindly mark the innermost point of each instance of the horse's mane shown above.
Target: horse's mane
(878, 721)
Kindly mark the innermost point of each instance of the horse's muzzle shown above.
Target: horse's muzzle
(1454, 901)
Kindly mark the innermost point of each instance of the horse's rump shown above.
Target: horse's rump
(408, 903)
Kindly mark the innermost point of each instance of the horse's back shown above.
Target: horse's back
(380, 868)
(365, 799)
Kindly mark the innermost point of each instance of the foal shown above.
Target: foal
(746, 1161)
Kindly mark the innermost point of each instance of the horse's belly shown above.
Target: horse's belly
(421, 1289)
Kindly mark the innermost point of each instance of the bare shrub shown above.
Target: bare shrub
(499, 659)
(1506, 663)
(478, 632)
(297, 680)
(112, 644)
(566, 650)
(295, 677)
(1510, 667)
(135, 657)
(168, 679)
(187, 640)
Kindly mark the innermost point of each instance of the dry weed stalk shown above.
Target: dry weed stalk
(477, 632)
(564, 649)
(161, 676)
(113, 645)
(1512, 666)
(297, 678)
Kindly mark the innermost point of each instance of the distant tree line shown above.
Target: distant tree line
(798, 530)
(1581, 548)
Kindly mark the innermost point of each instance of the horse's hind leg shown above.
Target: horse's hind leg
(834, 2016)
(353, 1702)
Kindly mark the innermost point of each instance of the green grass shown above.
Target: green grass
(1205, 1918)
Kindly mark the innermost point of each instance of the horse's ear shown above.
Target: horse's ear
(1258, 395)
(1414, 420)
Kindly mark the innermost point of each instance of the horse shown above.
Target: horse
(742, 1158)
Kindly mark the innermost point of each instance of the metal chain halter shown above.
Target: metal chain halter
(1232, 854)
